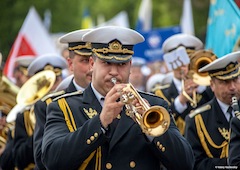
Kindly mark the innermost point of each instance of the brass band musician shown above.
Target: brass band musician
(183, 94)
(46, 72)
(207, 127)
(91, 129)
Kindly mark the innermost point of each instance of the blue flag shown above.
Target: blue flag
(151, 48)
(223, 31)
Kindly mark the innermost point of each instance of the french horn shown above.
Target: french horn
(34, 89)
(154, 121)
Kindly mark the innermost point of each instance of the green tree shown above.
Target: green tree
(67, 15)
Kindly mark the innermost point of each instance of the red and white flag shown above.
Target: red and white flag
(32, 39)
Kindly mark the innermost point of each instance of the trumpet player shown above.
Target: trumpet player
(207, 127)
(90, 129)
(183, 94)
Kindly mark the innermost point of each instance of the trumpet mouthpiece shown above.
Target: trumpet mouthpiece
(114, 80)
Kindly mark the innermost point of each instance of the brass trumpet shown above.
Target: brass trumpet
(154, 121)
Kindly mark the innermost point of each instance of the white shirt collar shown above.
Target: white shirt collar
(224, 108)
(98, 95)
(77, 86)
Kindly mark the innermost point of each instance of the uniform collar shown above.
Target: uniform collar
(77, 86)
(97, 94)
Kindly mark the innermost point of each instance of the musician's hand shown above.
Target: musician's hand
(139, 106)
(112, 105)
(190, 86)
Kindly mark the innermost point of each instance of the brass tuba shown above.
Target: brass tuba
(154, 121)
(8, 93)
(34, 89)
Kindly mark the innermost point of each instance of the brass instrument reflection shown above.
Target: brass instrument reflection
(154, 121)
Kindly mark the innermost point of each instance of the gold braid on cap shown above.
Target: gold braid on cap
(57, 71)
(83, 53)
(229, 69)
(79, 47)
(114, 47)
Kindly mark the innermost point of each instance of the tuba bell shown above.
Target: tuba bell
(34, 89)
(154, 121)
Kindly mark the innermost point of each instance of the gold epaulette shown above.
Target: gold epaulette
(160, 87)
(157, 90)
(199, 110)
(52, 95)
(68, 95)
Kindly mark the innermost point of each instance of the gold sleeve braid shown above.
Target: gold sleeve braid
(48, 101)
(29, 121)
(72, 127)
(202, 134)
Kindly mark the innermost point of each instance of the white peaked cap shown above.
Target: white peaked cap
(186, 40)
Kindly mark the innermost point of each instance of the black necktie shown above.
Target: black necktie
(230, 109)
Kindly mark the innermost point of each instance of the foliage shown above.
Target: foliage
(67, 15)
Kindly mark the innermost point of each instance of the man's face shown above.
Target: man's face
(180, 72)
(20, 78)
(80, 67)
(103, 72)
(224, 90)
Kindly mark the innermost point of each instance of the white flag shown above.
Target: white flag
(32, 39)
(187, 24)
(121, 19)
(144, 22)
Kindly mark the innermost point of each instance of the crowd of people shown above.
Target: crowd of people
(115, 111)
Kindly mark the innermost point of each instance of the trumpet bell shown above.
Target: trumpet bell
(155, 121)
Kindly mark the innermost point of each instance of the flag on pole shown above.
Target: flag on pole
(187, 24)
(223, 31)
(32, 39)
(86, 20)
(144, 22)
(121, 20)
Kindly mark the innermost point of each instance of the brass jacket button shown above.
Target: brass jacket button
(109, 166)
(132, 164)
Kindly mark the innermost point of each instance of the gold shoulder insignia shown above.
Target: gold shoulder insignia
(199, 110)
(51, 95)
(91, 112)
(160, 87)
(68, 94)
